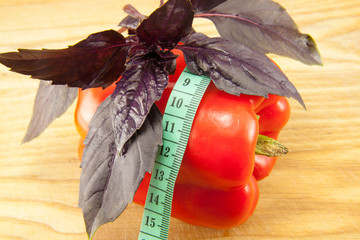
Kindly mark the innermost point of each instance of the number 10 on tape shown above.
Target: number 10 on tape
(177, 121)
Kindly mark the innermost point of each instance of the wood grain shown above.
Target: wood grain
(313, 192)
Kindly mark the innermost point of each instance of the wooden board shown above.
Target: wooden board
(313, 192)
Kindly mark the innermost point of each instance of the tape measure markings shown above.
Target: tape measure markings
(177, 122)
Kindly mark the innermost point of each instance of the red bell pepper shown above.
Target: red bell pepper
(216, 186)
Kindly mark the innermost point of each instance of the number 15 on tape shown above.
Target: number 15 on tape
(177, 121)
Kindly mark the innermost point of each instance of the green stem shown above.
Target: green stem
(269, 147)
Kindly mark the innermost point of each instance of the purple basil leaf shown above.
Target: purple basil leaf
(130, 22)
(130, 10)
(168, 59)
(171, 67)
(133, 19)
(205, 5)
(265, 26)
(140, 86)
(50, 103)
(235, 68)
(97, 61)
(109, 179)
(168, 24)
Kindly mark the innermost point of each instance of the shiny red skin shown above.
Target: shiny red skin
(203, 205)
(216, 186)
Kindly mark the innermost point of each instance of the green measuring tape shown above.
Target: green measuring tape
(177, 121)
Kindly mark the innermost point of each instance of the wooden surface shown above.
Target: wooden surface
(313, 192)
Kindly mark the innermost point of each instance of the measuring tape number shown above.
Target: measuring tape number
(177, 121)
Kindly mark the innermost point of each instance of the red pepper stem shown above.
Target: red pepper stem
(269, 147)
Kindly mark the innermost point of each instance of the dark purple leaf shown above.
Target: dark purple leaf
(97, 61)
(130, 22)
(50, 103)
(109, 179)
(132, 11)
(265, 26)
(205, 5)
(235, 68)
(168, 24)
(140, 86)
(133, 19)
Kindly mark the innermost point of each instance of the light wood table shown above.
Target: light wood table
(313, 192)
